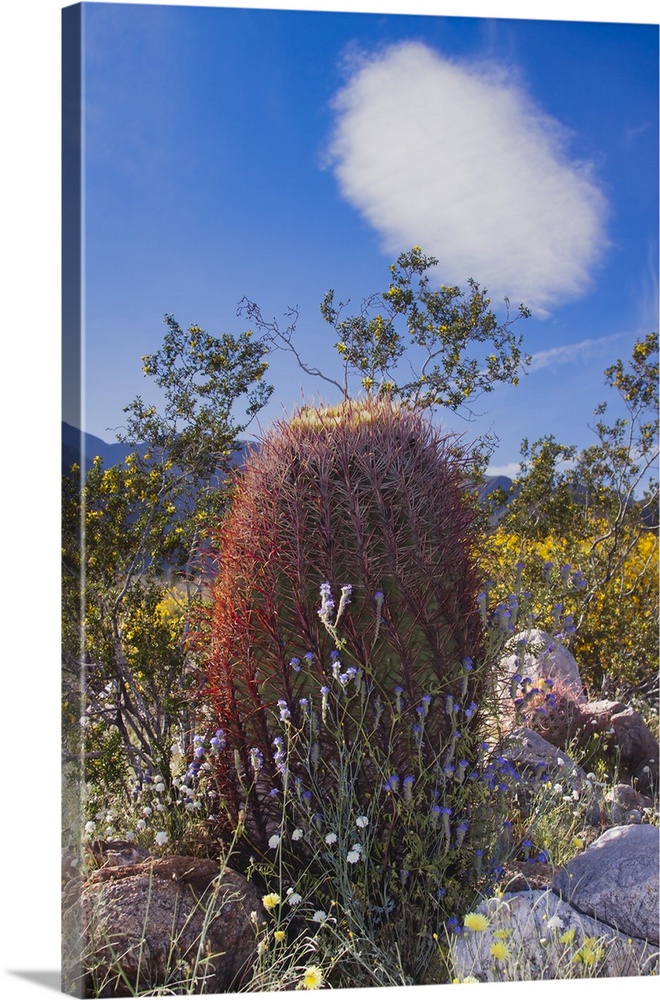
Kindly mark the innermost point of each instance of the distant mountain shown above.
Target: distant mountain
(81, 448)
(76, 444)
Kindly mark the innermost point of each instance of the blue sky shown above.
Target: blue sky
(278, 153)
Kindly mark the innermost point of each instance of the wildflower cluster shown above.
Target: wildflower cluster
(395, 809)
(158, 810)
(492, 941)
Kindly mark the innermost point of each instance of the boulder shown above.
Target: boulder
(528, 751)
(540, 936)
(616, 880)
(597, 715)
(165, 921)
(532, 756)
(543, 657)
(638, 747)
(626, 805)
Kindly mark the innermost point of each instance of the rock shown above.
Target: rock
(162, 921)
(115, 853)
(638, 748)
(616, 880)
(597, 715)
(543, 657)
(528, 751)
(626, 805)
(531, 755)
(530, 926)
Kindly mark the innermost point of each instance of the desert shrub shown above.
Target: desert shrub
(613, 635)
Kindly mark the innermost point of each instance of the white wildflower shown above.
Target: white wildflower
(331, 838)
(362, 821)
(161, 838)
(274, 841)
(319, 916)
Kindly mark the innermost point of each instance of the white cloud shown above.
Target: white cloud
(511, 470)
(571, 353)
(458, 160)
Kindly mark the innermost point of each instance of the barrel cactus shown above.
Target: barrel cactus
(362, 509)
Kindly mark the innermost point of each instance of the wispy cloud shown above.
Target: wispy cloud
(459, 160)
(572, 353)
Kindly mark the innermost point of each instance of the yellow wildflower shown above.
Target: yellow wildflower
(279, 935)
(312, 979)
(589, 953)
(271, 900)
(499, 950)
(476, 921)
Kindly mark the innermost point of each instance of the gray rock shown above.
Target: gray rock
(528, 750)
(626, 805)
(638, 748)
(164, 921)
(531, 755)
(616, 880)
(543, 657)
(531, 925)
